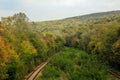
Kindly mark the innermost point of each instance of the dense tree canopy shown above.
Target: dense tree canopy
(25, 44)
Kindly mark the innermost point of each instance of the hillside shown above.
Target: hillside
(78, 22)
(25, 44)
(109, 14)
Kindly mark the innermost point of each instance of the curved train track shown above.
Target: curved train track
(114, 74)
(34, 74)
(38, 69)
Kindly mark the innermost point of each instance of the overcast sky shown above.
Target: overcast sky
(41, 10)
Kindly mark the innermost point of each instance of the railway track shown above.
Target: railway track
(36, 71)
(114, 74)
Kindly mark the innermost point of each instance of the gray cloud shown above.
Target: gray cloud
(39, 10)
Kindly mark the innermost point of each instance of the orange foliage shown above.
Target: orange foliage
(6, 50)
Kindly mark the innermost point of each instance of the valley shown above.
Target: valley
(79, 48)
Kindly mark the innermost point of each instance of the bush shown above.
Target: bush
(50, 73)
(80, 66)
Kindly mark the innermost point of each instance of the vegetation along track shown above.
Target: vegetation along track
(114, 74)
(36, 71)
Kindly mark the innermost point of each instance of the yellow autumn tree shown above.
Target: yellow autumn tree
(115, 56)
(28, 48)
(7, 54)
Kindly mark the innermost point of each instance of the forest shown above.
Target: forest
(81, 48)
